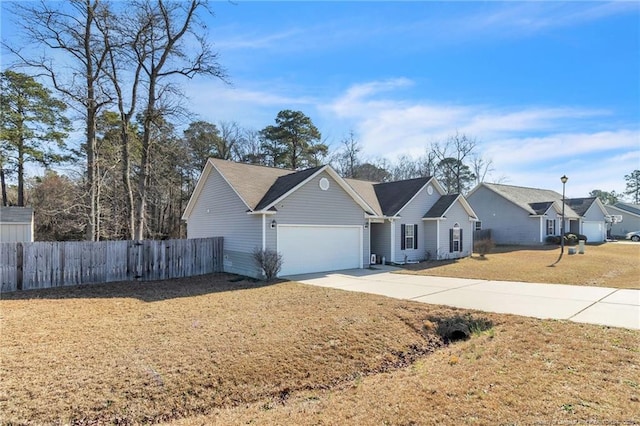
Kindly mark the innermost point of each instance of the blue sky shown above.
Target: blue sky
(546, 88)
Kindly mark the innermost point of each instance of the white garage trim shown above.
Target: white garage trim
(319, 248)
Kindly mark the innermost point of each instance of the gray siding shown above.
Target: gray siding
(456, 214)
(412, 214)
(219, 212)
(429, 239)
(380, 240)
(16, 233)
(509, 223)
(630, 223)
(310, 205)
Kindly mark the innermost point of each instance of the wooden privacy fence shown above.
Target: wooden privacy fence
(27, 266)
(482, 234)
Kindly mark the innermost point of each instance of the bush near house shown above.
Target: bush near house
(570, 239)
(483, 246)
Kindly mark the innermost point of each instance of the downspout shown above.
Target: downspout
(264, 231)
(393, 241)
(438, 239)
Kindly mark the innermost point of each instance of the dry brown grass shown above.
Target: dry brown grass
(195, 352)
(606, 265)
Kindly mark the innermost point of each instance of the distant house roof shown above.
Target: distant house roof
(533, 200)
(631, 208)
(393, 196)
(16, 214)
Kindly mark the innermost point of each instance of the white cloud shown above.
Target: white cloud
(528, 145)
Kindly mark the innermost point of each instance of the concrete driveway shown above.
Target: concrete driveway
(593, 305)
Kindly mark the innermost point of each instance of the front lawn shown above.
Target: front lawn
(217, 349)
(606, 265)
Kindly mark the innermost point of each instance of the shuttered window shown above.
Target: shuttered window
(455, 239)
(408, 237)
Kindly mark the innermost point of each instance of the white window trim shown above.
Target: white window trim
(407, 227)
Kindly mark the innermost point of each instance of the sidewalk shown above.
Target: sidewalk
(593, 305)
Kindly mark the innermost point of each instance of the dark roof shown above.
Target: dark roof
(631, 208)
(542, 207)
(16, 214)
(441, 206)
(393, 196)
(580, 205)
(284, 184)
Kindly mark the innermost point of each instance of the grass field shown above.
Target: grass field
(219, 350)
(606, 265)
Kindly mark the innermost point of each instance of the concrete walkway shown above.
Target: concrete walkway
(593, 305)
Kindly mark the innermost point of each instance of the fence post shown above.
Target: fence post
(19, 268)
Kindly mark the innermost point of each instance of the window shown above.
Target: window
(478, 226)
(408, 237)
(551, 227)
(455, 239)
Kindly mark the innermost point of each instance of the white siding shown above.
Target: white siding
(219, 212)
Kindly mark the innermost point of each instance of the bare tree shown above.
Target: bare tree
(71, 31)
(348, 158)
(168, 47)
(481, 167)
(451, 156)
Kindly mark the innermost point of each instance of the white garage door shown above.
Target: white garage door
(594, 231)
(307, 249)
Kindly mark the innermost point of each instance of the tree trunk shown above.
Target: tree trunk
(21, 174)
(3, 184)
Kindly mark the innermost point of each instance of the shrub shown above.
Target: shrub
(270, 261)
(582, 238)
(483, 246)
(570, 239)
(553, 239)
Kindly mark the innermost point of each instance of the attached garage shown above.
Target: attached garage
(314, 248)
(594, 231)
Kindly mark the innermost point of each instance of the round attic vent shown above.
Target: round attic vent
(429, 189)
(324, 184)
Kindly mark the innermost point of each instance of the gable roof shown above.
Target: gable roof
(525, 197)
(542, 207)
(581, 205)
(284, 184)
(393, 196)
(445, 202)
(16, 214)
(259, 187)
(250, 182)
(441, 206)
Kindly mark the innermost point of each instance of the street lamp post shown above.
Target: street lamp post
(564, 180)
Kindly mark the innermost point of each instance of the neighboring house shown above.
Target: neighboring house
(320, 222)
(521, 215)
(630, 218)
(16, 224)
(593, 218)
